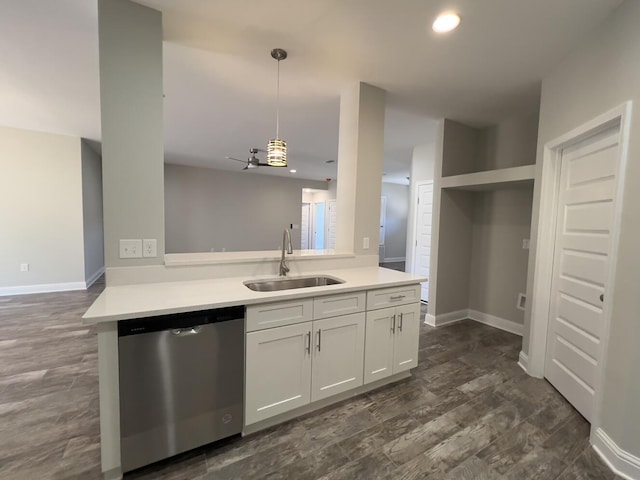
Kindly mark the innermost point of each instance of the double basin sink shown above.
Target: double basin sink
(284, 283)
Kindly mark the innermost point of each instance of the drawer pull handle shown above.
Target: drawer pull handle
(393, 324)
(308, 348)
(319, 339)
(400, 324)
(396, 297)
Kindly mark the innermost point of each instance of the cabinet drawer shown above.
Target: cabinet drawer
(389, 297)
(271, 315)
(334, 305)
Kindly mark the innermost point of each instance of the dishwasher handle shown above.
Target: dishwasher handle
(185, 332)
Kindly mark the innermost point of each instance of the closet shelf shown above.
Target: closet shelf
(492, 179)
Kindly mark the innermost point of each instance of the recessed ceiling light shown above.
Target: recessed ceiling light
(446, 22)
(293, 170)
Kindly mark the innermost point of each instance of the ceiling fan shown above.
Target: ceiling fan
(253, 161)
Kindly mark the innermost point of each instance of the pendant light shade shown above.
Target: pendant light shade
(277, 148)
(277, 153)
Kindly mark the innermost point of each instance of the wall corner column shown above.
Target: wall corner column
(131, 98)
(360, 159)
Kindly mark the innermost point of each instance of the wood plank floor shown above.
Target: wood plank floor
(468, 412)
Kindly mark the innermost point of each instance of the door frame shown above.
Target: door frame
(411, 255)
(546, 237)
(416, 216)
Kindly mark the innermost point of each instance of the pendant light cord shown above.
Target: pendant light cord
(278, 103)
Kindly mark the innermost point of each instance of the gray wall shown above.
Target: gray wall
(454, 254)
(397, 211)
(40, 209)
(478, 255)
(460, 149)
(130, 41)
(237, 211)
(511, 143)
(603, 73)
(92, 212)
(501, 219)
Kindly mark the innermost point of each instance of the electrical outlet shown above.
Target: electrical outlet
(149, 247)
(525, 243)
(24, 267)
(365, 242)
(131, 248)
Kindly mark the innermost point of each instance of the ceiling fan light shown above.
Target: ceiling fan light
(277, 153)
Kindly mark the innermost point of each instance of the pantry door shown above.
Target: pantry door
(422, 255)
(585, 220)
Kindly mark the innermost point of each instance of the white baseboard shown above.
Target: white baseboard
(446, 318)
(92, 279)
(523, 361)
(480, 317)
(42, 288)
(622, 463)
(393, 259)
(493, 321)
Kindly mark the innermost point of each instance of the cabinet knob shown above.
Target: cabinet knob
(602, 297)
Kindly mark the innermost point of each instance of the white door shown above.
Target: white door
(383, 220)
(304, 227)
(407, 335)
(378, 355)
(422, 255)
(331, 225)
(278, 371)
(586, 203)
(338, 355)
(318, 225)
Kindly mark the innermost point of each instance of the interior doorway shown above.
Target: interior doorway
(581, 187)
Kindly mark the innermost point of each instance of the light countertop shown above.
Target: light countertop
(150, 299)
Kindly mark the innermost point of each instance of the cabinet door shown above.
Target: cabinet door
(338, 355)
(278, 377)
(378, 354)
(405, 354)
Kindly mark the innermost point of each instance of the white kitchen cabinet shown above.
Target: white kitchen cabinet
(391, 341)
(279, 314)
(390, 297)
(343, 304)
(338, 355)
(278, 371)
(407, 336)
(300, 352)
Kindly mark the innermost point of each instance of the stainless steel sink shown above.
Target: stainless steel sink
(284, 283)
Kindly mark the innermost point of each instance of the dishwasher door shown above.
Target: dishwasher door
(180, 387)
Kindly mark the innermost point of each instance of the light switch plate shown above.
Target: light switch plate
(149, 247)
(365, 242)
(24, 267)
(131, 248)
(525, 244)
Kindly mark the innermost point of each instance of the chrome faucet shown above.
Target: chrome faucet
(286, 240)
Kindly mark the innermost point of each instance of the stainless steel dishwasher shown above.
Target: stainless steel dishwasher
(181, 383)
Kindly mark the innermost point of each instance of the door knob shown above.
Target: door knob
(602, 297)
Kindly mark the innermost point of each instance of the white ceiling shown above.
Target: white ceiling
(220, 78)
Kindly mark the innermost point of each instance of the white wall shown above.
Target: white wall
(40, 212)
(395, 243)
(602, 73)
(92, 221)
(237, 211)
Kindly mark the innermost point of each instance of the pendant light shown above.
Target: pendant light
(277, 148)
